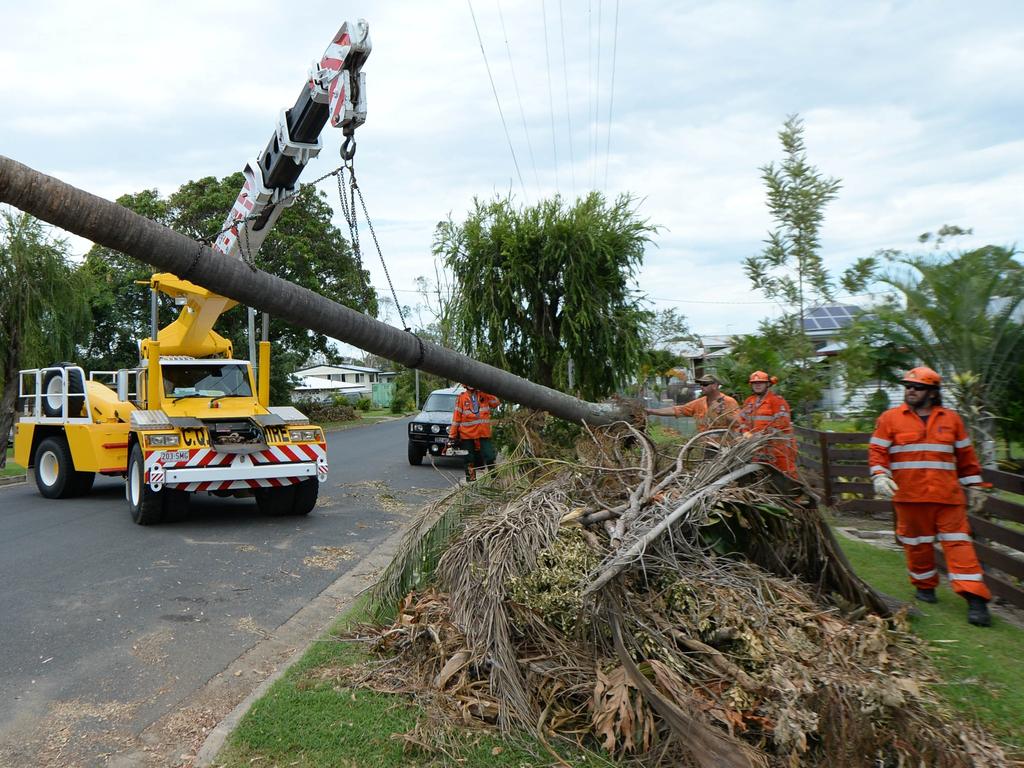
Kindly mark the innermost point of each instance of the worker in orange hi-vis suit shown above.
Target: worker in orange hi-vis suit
(921, 457)
(765, 411)
(471, 429)
(713, 410)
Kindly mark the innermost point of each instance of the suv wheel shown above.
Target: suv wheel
(415, 454)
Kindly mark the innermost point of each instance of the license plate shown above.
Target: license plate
(440, 439)
(175, 456)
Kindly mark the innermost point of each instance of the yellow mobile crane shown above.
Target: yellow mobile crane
(191, 418)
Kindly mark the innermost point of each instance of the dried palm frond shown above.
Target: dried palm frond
(681, 613)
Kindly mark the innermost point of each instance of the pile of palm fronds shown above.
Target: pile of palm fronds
(678, 613)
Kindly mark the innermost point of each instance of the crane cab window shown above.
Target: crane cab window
(206, 380)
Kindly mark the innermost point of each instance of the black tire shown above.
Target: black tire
(306, 493)
(176, 504)
(82, 482)
(52, 468)
(53, 392)
(275, 502)
(145, 504)
(416, 453)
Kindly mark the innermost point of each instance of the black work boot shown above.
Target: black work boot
(977, 611)
(926, 595)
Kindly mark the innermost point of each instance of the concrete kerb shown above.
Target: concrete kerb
(320, 613)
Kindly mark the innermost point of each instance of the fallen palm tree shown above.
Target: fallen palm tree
(676, 615)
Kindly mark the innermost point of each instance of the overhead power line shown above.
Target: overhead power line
(597, 99)
(568, 112)
(497, 101)
(551, 98)
(522, 112)
(611, 96)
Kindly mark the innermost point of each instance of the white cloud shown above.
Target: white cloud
(913, 105)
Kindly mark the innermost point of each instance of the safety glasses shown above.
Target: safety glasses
(916, 387)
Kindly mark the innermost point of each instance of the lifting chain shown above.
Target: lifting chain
(348, 210)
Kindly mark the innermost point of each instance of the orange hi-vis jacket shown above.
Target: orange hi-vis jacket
(471, 419)
(771, 413)
(717, 415)
(929, 460)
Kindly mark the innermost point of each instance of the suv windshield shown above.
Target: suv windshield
(438, 402)
(206, 380)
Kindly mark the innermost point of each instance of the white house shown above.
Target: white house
(324, 382)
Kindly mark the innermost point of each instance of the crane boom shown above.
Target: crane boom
(335, 92)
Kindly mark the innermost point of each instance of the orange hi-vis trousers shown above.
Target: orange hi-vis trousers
(919, 525)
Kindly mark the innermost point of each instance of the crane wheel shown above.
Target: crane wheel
(53, 470)
(145, 504)
(275, 502)
(306, 494)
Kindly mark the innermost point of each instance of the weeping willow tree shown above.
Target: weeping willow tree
(550, 288)
(43, 307)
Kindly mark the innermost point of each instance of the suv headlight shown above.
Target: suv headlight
(416, 427)
(304, 435)
(434, 428)
(163, 441)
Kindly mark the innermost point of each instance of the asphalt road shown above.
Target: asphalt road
(106, 626)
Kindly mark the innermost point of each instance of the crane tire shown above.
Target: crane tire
(53, 469)
(145, 504)
(53, 391)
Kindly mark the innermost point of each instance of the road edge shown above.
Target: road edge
(321, 612)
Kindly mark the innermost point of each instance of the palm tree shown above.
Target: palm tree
(42, 309)
(961, 316)
(111, 225)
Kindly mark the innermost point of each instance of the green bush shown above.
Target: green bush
(364, 404)
(320, 413)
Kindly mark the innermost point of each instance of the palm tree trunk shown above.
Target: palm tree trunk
(116, 227)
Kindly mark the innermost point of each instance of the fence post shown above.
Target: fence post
(826, 475)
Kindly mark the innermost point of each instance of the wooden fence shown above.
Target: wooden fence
(835, 464)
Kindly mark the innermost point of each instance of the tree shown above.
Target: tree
(42, 306)
(790, 269)
(782, 351)
(958, 313)
(304, 247)
(548, 286)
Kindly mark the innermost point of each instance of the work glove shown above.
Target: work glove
(885, 486)
(976, 496)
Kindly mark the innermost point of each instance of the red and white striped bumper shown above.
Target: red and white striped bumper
(205, 469)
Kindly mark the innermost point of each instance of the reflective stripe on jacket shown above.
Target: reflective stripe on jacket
(718, 415)
(929, 460)
(771, 412)
(471, 419)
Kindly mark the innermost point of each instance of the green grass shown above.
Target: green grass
(11, 469)
(307, 722)
(981, 670)
(373, 416)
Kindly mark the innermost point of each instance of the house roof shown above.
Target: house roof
(344, 368)
(316, 383)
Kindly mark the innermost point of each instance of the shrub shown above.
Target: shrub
(328, 412)
(364, 404)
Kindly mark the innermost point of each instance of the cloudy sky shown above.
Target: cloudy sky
(918, 108)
